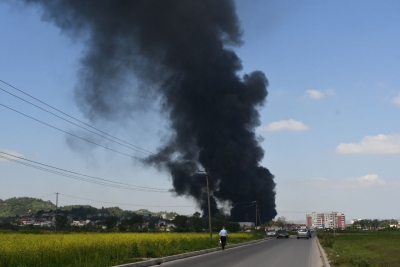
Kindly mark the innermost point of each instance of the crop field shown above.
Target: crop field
(101, 250)
(373, 249)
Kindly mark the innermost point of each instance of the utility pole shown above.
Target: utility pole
(259, 217)
(55, 224)
(256, 213)
(208, 198)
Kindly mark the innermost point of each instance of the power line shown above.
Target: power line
(93, 177)
(79, 178)
(73, 175)
(133, 148)
(116, 203)
(51, 126)
(129, 204)
(69, 115)
(289, 211)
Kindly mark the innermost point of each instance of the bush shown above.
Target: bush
(351, 262)
(326, 240)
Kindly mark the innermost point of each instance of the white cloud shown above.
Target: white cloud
(290, 125)
(396, 99)
(318, 94)
(380, 144)
(14, 153)
(368, 180)
(315, 94)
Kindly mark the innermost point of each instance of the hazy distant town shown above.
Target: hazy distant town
(17, 213)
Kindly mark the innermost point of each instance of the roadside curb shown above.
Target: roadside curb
(323, 254)
(158, 261)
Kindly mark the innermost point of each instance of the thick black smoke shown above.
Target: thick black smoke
(177, 51)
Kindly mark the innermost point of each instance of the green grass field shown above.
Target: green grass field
(102, 249)
(364, 249)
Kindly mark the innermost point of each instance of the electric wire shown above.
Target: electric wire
(135, 204)
(156, 206)
(51, 126)
(92, 177)
(78, 178)
(135, 149)
(99, 181)
(19, 90)
(131, 146)
(88, 176)
(125, 204)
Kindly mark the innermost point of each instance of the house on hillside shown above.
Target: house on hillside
(47, 224)
(169, 227)
(26, 222)
(81, 223)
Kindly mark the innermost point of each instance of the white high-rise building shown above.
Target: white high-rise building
(326, 220)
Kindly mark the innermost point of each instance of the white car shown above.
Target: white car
(303, 233)
(271, 233)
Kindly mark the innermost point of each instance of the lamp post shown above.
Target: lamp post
(208, 198)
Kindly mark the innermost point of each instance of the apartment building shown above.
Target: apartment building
(326, 220)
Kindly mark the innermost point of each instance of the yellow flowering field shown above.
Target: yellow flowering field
(101, 249)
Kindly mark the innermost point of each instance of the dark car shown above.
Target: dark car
(282, 233)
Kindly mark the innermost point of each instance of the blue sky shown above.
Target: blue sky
(330, 124)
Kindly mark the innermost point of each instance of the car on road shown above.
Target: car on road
(282, 233)
(303, 233)
(271, 233)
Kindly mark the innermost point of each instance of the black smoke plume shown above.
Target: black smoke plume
(178, 52)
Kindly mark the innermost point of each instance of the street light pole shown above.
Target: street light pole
(208, 198)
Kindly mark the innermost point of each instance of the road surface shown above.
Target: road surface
(283, 252)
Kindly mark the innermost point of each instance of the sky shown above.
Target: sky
(330, 126)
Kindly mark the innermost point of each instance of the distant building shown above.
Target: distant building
(326, 220)
(246, 225)
(81, 223)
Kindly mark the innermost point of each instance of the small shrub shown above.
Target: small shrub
(327, 240)
(350, 262)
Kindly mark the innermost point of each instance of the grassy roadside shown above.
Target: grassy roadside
(371, 249)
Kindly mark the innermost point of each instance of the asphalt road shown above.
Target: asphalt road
(282, 252)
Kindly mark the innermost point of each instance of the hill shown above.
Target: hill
(23, 206)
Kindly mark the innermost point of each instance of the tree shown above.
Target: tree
(232, 227)
(110, 222)
(136, 221)
(375, 223)
(281, 222)
(271, 223)
(180, 221)
(151, 225)
(61, 221)
(218, 221)
(123, 226)
(196, 223)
